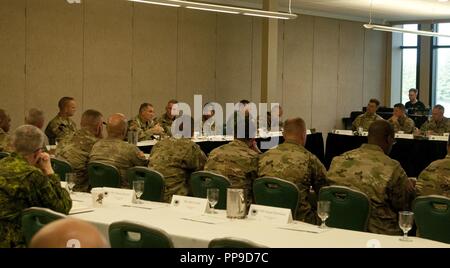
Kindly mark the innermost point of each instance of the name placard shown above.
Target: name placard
(189, 204)
(404, 136)
(119, 196)
(438, 138)
(343, 132)
(271, 215)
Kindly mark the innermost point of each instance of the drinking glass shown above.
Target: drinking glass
(323, 210)
(70, 179)
(405, 221)
(138, 187)
(213, 198)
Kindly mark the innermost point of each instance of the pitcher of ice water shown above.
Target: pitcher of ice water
(236, 205)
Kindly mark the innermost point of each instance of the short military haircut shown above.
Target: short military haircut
(245, 102)
(413, 90)
(400, 106)
(294, 126)
(380, 130)
(439, 107)
(91, 118)
(373, 100)
(3, 115)
(27, 139)
(117, 125)
(63, 102)
(144, 106)
(34, 117)
(173, 101)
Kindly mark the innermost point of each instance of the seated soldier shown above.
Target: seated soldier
(145, 123)
(114, 151)
(27, 180)
(292, 162)
(400, 121)
(62, 125)
(75, 148)
(370, 170)
(176, 159)
(438, 124)
(364, 120)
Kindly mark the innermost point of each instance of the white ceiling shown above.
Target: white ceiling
(383, 10)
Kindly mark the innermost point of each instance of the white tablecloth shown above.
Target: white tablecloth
(192, 234)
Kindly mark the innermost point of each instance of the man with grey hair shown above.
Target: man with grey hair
(27, 180)
(5, 124)
(438, 124)
(36, 118)
(114, 151)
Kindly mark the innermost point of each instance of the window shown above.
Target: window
(441, 68)
(410, 52)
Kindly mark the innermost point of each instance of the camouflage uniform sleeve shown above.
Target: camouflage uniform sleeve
(395, 124)
(409, 126)
(427, 183)
(396, 193)
(49, 193)
(425, 126)
(356, 123)
(196, 159)
(318, 174)
(137, 157)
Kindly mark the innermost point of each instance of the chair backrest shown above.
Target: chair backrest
(275, 192)
(432, 216)
(231, 242)
(349, 208)
(3, 154)
(61, 167)
(153, 182)
(125, 234)
(34, 218)
(103, 175)
(200, 181)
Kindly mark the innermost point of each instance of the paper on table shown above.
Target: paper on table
(301, 227)
(146, 205)
(79, 208)
(206, 219)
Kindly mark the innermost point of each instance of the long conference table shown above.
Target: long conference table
(188, 230)
(414, 155)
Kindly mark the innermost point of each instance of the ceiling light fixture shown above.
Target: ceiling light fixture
(222, 8)
(385, 28)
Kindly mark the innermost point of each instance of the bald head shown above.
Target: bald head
(117, 126)
(68, 233)
(295, 130)
(382, 133)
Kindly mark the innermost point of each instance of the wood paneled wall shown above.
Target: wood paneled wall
(112, 55)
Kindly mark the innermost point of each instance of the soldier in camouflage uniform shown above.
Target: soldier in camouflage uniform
(176, 159)
(368, 169)
(27, 180)
(145, 124)
(237, 160)
(5, 124)
(435, 179)
(75, 148)
(400, 121)
(292, 162)
(62, 125)
(166, 120)
(438, 124)
(114, 151)
(364, 120)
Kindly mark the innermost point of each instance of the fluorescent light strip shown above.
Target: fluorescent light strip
(220, 8)
(213, 10)
(156, 3)
(401, 30)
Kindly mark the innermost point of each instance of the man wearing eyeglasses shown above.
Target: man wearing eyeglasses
(27, 180)
(370, 170)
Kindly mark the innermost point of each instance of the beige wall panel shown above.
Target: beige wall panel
(325, 69)
(374, 66)
(108, 56)
(12, 55)
(256, 60)
(234, 58)
(197, 56)
(154, 55)
(54, 55)
(280, 63)
(298, 68)
(351, 70)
